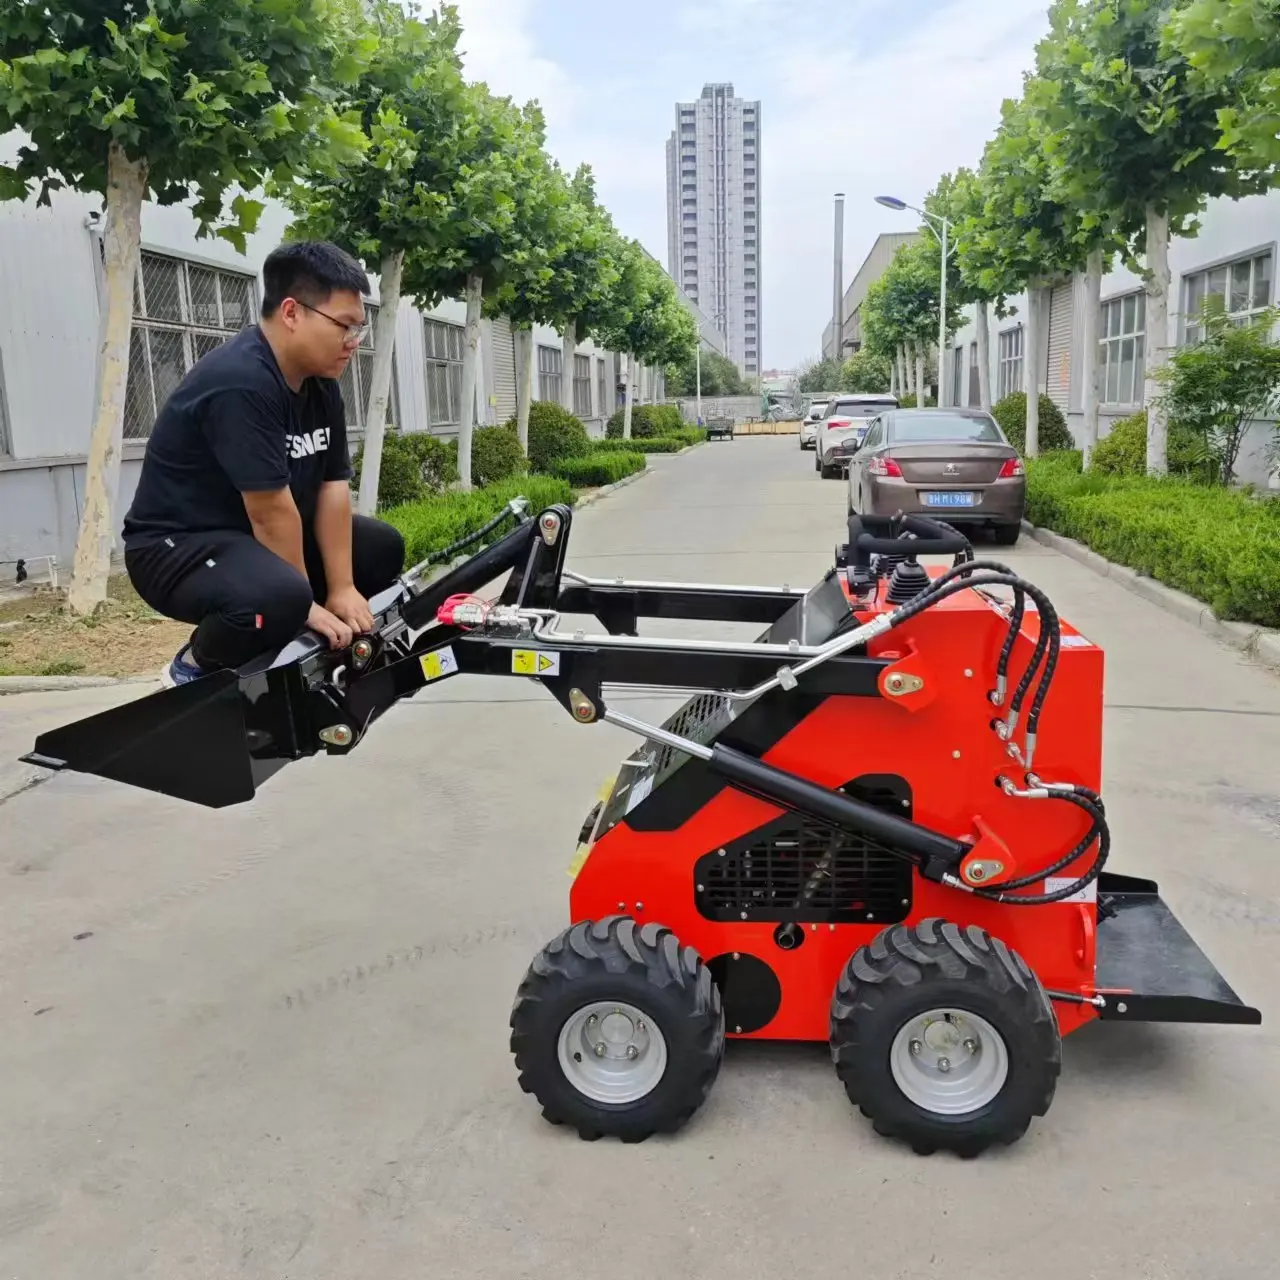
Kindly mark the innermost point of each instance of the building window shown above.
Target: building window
(181, 312)
(601, 387)
(582, 384)
(975, 387)
(444, 372)
(357, 381)
(1123, 330)
(1243, 286)
(551, 373)
(1009, 362)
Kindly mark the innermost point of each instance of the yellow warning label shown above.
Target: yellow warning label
(579, 859)
(533, 662)
(438, 664)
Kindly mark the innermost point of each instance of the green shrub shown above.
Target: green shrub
(648, 421)
(908, 401)
(414, 466)
(554, 433)
(1215, 543)
(1123, 451)
(1011, 414)
(599, 468)
(659, 444)
(433, 523)
(496, 455)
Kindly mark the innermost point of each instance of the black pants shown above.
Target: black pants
(242, 598)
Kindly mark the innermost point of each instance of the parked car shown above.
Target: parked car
(843, 424)
(952, 463)
(809, 423)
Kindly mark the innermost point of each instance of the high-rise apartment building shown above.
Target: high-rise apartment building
(713, 214)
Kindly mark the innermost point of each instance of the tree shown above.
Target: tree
(1142, 146)
(819, 375)
(411, 102)
(864, 373)
(479, 238)
(175, 101)
(1017, 234)
(720, 376)
(1232, 48)
(1227, 380)
(644, 317)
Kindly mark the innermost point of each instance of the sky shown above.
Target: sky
(868, 97)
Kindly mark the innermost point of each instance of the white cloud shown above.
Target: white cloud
(865, 97)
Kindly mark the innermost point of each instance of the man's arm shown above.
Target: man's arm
(277, 524)
(333, 534)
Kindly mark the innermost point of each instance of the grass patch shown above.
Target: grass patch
(1219, 545)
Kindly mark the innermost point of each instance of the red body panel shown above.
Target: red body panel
(941, 741)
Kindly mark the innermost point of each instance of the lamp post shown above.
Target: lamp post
(892, 202)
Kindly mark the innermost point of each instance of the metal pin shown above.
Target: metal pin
(944, 1065)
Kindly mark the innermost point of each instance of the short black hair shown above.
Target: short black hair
(309, 270)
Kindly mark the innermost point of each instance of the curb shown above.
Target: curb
(65, 684)
(605, 490)
(1261, 644)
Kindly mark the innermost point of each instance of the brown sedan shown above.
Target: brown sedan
(951, 463)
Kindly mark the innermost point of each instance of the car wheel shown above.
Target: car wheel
(1007, 534)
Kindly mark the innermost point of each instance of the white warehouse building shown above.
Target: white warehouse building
(192, 295)
(1233, 256)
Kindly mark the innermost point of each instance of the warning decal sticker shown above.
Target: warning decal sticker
(533, 662)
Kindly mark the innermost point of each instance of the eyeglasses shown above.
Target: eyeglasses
(354, 332)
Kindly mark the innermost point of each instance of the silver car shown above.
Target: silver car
(843, 424)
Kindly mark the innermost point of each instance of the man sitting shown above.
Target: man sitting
(242, 522)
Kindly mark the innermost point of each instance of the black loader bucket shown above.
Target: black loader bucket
(190, 742)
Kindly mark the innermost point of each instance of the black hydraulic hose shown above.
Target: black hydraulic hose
(1099, 831)
(447, 553)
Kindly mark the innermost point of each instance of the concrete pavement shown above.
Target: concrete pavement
(272, 1042)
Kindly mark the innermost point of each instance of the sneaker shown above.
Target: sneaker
(181, 670)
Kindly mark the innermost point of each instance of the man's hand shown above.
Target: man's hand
(349, 605)
(337, 632)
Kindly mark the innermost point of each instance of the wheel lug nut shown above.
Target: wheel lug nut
(592, 1020)
(971, 1046)
(600, 1050)
(916, 1046)
(632, 1051)
(944, 1064)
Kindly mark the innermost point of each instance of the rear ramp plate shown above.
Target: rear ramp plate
(1149, 967)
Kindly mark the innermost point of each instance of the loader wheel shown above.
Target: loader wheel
(618, 1030)
(944, 1038)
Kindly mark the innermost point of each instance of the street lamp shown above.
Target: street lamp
(892, 202)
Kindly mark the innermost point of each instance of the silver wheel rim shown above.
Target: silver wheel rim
(949, 1061)
(612, 1052)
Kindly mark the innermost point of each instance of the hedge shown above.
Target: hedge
(1053, 434)
(496, 455)
(606, 467)
(433, 524)
(657, 444)
(1123, 451)
(414, 466)
(1219, 545)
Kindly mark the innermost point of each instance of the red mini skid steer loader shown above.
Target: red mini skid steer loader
(878, 824)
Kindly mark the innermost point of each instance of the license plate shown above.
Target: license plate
(949, 498)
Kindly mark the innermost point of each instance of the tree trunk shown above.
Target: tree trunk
(569, 350)
(384, 342)
(893, 377)
(919, 350)
(1031, 369)
(470, 365)
(126, 187)
(1089, 340)
(631, 393)
(984, 358)
(1157, 339)
(524, 388)
(904, 379)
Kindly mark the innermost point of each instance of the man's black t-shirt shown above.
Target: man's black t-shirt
(234, 426)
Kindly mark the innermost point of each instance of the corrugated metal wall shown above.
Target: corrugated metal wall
(504, 367)
(1058, 370)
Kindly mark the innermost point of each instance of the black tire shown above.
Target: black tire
(615, 959)
(1006, 535)
(905, 972)
(817, 458)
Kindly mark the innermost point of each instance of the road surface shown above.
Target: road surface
(272, 1041)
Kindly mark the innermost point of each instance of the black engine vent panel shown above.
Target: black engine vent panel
(797, 869)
